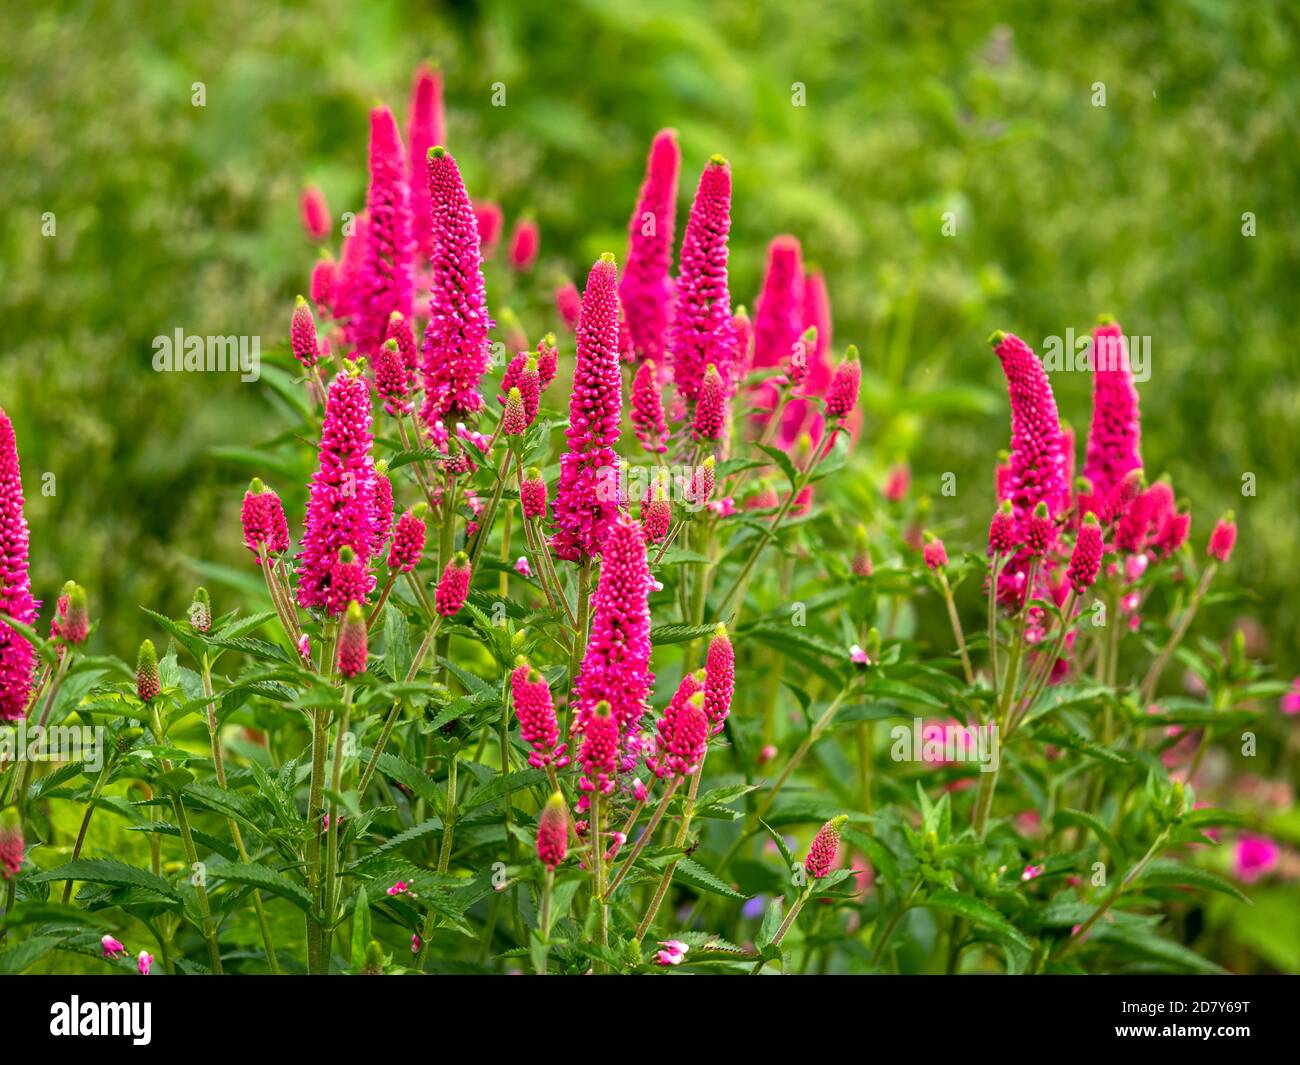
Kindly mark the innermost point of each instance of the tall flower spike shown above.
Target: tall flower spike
(341, 505)
(453, 588)
(586, 502)
(598, 754)
(302, 335)
(532, 494)
(390, 379)
(553, 832)
(1114, 440)
(353, 644)
(525, 240)
(646, 289)
(408, 540)
(17, 659)
(426, 129)
(513, 420)
(352, 260)
(535, 711)
(720, 677)
(842, 395)
(315, 214)
(387, 281)
(324, 277)
(778, 311)
(1037, 450)
(711, 407)
(456, 338)
(616, 667)
(148, 683)
(656, 513)
(262, 517)
(825, 848)
(12, 845)
(702, 330)
(648, 408)
(399, 331)
(1085, 560)
(683, 738)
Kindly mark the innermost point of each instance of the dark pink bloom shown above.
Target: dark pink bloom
(532, 494)
(646, 289)
(842, 395)
(1173, 534)
(387, 281)
(408, 540)
(673, 953)
(513, 420)
(586, 501)
(682, 740)
(390, 379)
(897, 483)
(302, 335)
(1256, 857)
(700, 489)
(12, 845)
(1290, 703)
(262, 516)
(616, 667)
(656, 515)
(711, 406)
(348, 581)
(347, 283)
(824, 850)
(1037, 448)
(324, 276)
(456, 338)
(569, 303)
(553, 832)
(17, 660)
(702, 331)
(1002, 530)
(426, 130)
(1085, 560)
(525, 239)
(535, 711)
(719, 678)
(399, 331)
(453, 588)
(353, 642)
(548, 359)
(399, 888)
(598, 754)
(524, 373)
(489, 221)
(648, 408)
(778, 311)
(1039, 532)
(315, 215)
(1115, 437)
(935, 554)
(1222, 538)
(341, 506)
(383, 512)
(148, 681)
(71, 621)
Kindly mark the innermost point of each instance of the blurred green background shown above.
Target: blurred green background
(170, 215)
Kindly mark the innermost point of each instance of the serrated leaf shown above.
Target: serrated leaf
(1086, 820)
(678, 633)
(978, 913)
(691, 872)
(111, 872)
(259, 876)
(1165, 873)
(360, 930)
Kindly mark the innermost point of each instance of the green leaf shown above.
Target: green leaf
(1165, 873)
(783, 460)
(111, 872)
(397, 642)
(1150, 945)
(360, 930)
(771, 922)
(693, 873)
(977, 913)
(678, 633)
(27, 953)
(1083, 819)
(259, 876)
(781, 845)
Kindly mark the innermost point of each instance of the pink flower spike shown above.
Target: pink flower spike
(825, 848)
(702, 329)
(386, 282)
(453, 588)
(842, 396)
(262, 517)
(17, 659)
(456, 344)
(532, 494)
(778, 311)
(1222, 538)
(1085, 561)
(353, 646)
(646, 289)
(553, 832)
(648, 408)
(302, 335)
(656, 514)
(489, 220)
(1114, 440)
(12, 845)
(427, 128)
(897, 483)
(598, 754)
(113, 948)
(934, 554)
(399, 331)
(720, 677)
(315, 214)
(341, 506)
(1002, 530)
(535, 712)
(568, 303)
(391, 380)
(711, 406)
(682, 740)
(324, 276)
(525, 239)
(514, 421)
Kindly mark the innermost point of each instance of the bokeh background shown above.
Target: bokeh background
(171, 216)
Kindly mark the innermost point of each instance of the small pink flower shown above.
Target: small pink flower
(315, 214)
(842, 395)
(553, 832)
(143, 961)
(898, 481)
(400, 888)
(1291, 700)
(304, 649)
(1222, 538)
(674, 950)
(524, 242)
(858, 656)
(112, 948)
(935, 554)
(722, 508)
(522, 567)
(639, 790)
(1256, 857)
(768, 752)
(1031, 871)
(415, 943)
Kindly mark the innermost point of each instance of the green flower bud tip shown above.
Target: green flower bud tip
(256, 486)
(607, 257)
(437, 151)
(1090, 518)
(997, 337)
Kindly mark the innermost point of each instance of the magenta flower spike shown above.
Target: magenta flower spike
(324, 277)
(341, 504)
(711, 406)
(348, 281)
(453, 588)
(353, 642)
(616, 666)
(568, 304)
(1223, 537)
(842, 395)
(12, 844)
(1114, 440)
(17, 659)
(391, 379)
(513, 419)
(148, 681)
(386, 282)
(262, 517)
(489, 220)
(682, 740)
(535, 711)
(1002, 530)
(648, 408)
(599, 752)
(778, 311)
(553, 832)
(825, 848)
(408, 539)
(456, 338)
(383, 512)
(586, 502)
(315, 214)
(934, 554)
(719, 677)
(399, 331)
(1085, 560)
(426, 129)
(548, 360)
(646, 290)
(656, 514)
(1037, 450)
(302, 335)
(702, 329)
(525, 241)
